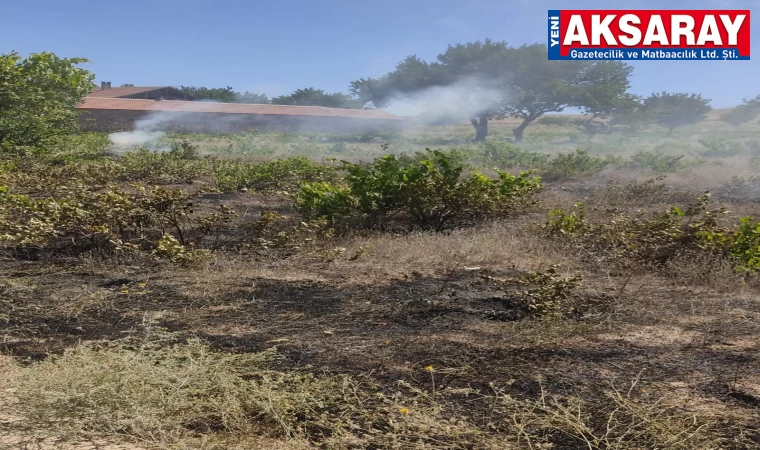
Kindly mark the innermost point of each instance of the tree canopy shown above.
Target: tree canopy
(619, 109)
(317, 97)
(492, 80)
(225, 94)
(300, 97)
(673, 110)
(748, 111)
(251, 97)
(38, 96)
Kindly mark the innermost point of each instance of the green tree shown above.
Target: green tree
(673, 110)
(317, 97)
(251, 97)
(746, 112)
(38, 96)
(607, 110)
(496, 80)
(537, 85)
(225, 95)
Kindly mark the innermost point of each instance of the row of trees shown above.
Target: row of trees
(504, 81)
(300, 97)
(493, 80)
(670, 110)
(225, 94)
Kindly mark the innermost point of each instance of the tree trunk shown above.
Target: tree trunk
(590, 128)
(518, 132)
(481, 127)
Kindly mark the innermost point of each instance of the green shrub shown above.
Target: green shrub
(572, 165)
(338, 147)
(168, 247)
(326, 200)
(178, 166)
(456, 155)
(274, 231)
(184, 150)
(657, 162)
(657, 237)
(235, 175)
(105, 221)
(560, 222)
(429, 193)
(544, 294)
(721, 148)
(653, 239)
(745, 245)
(507, 156)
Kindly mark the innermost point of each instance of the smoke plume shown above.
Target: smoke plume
(149, 130)
(449, 104)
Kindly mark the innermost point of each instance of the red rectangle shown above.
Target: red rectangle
(682, 29)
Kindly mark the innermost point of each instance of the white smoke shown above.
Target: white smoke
(149, 130)
(126, 140)
(449, 104)
(146, 134)
(452, 103)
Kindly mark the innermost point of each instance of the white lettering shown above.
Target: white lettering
(601, 28)
(626, 27)
(676, 30)
(655, 32)
(732, 27)
(709, 32)
(575, 31)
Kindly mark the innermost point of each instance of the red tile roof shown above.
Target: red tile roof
(123, 91)
(126, 104)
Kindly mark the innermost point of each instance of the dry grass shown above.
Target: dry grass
(512, 244)
(187, 396)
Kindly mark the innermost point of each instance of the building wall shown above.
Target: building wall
(122, 120)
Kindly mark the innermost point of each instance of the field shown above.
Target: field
(187, 297)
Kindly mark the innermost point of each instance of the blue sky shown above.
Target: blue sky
(275, 47)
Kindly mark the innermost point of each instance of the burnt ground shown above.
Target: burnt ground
(392, 328)
(392, 312)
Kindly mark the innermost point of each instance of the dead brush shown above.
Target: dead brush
(708, 270)
(650, 240)
(635, 192)
(547, 294)
(618, 420)
(273, 232)
(162, 393)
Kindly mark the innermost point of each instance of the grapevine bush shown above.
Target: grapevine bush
(655, 238)
(428, 194)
